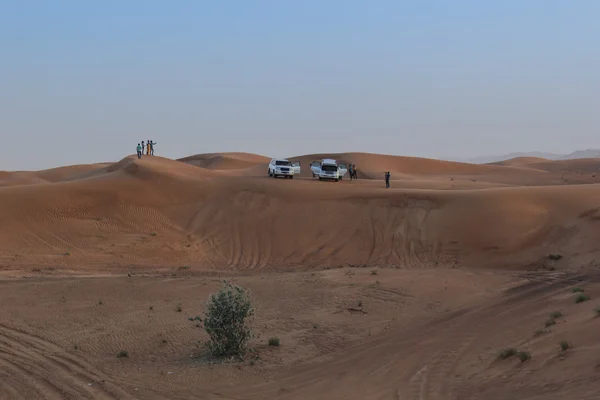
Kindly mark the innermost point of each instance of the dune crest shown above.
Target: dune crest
(225, 161)
(232, 219)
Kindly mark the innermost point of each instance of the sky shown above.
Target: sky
(84, 82)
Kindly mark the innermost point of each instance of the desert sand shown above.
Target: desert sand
(405, 293)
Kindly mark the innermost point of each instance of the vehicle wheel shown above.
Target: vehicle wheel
(320, 178)
(269, 173)
(337, 180)
(291, 176)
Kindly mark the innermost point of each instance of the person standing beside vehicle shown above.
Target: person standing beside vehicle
(351, 170)
(387, 179)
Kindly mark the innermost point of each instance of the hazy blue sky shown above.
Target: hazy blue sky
(85, 81)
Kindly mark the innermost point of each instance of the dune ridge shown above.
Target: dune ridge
(252, 222)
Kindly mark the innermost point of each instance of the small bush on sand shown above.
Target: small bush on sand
(523, 356)
(556, 314)
(507, 353)
(555, 257)
(550, 322)
(581, 298)
(274, 341)
(541, 331)
(179, 308)
(374, 272)
(597, 311)
(564, 345)
(153, 234)
(578, 290)
(123, 354)
(226, 323)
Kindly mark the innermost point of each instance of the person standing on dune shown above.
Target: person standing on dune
(139, 150)
(152, 146)
(143, 147)
(148, 148)
(387, 179)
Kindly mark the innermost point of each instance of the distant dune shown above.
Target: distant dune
(49, 175)
(521, 161)
(251, 221)
(589, 153)
(578, 166)
(225, 161)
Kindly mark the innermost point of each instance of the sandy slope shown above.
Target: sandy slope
(433, 262)
(49, 175)
(521, 161)
(225, 161)
(373, 166)
(156, 211)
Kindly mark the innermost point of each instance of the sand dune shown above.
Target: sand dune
(225, 161)
(445, 278)
(241, 222)
(574, 171)
(47, 176)
(521, 161)
(580, 166)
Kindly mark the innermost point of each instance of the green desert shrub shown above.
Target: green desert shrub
(226, 321)
(523, 356)
(507, 353)
(581, 298)
(556, 314)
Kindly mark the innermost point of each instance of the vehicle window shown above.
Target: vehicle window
(286, 163)
(329, 168)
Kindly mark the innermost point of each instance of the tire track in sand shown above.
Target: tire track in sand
(432, 381)
(39, 369)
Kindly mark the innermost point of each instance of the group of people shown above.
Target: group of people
(147, 147)
(352, 171)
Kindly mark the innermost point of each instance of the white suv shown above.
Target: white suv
(328, 169)
(283, 167)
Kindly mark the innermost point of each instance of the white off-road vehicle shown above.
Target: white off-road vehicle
(283, 167)
(328, 169)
